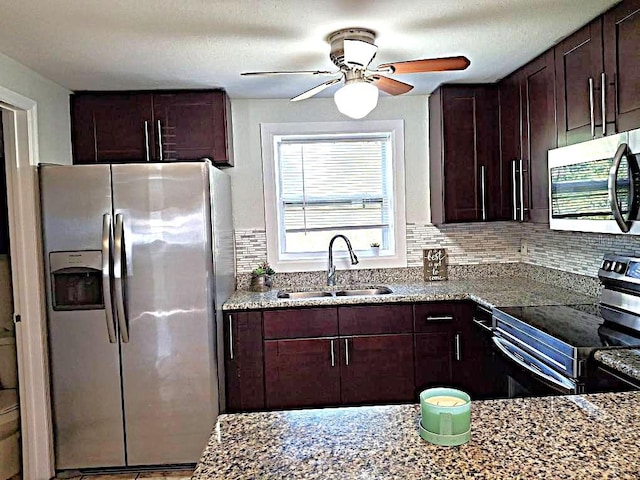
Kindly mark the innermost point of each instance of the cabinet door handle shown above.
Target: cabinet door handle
(231, 337)
(457, 345)
(333, 355)
(160, 140)
(483, 189)
(146, 140)
(522, 190)
(439, 318)
(603, 80)
(515, 189)
(592, 109)
(346, 351)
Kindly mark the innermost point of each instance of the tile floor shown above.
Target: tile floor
(159, 475)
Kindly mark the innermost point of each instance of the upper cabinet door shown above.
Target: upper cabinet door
(538, 133)
(191, 126)
(579, 68)
(622, 65)
(510, 145)
(464, 154)
(111, 127)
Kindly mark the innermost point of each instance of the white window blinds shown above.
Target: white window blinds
(334, 184)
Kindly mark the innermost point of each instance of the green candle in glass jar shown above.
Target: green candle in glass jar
(445, 416)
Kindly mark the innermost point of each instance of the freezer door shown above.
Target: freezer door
(223, 262)
(168, 366)
(84, 363)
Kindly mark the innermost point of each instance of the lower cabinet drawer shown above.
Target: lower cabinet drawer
(375, 319)
(300, 323)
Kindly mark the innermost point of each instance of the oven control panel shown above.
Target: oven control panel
(620, 269)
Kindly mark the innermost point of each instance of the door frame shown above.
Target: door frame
(20, 124)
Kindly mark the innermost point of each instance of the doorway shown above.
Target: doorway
(20, 135)
(10, 454)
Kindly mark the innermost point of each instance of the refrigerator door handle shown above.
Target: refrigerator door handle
(117, 277)
(107, 239)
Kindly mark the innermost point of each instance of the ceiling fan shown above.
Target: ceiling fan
(352, 51)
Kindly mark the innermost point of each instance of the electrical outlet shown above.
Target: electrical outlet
(524, 248)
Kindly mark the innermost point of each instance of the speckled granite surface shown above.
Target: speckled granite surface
(573, 437)
(386, 275)
(499, 291)
(624, 360)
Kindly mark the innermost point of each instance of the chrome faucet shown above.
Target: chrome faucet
(331, 272)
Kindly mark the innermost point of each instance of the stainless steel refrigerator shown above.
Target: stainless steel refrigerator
(139, 259)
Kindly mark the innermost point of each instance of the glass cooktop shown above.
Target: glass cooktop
(580, 326)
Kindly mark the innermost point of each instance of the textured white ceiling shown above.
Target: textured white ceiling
(150, 44)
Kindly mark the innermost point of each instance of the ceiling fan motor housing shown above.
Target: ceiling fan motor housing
(336, 40)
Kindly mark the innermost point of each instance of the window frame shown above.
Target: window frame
(317, 262)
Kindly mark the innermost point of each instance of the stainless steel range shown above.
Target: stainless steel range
(547, 349)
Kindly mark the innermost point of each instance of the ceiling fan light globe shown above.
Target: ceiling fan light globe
(356, 99)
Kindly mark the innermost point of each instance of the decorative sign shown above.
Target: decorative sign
(435, 264)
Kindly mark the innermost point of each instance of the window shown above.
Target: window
(334, 178)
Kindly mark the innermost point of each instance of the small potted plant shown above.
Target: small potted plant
(375, 248)
(262, 278)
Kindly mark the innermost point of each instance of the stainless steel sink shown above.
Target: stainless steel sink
(347, 292)
(364, 291)
(294, 295)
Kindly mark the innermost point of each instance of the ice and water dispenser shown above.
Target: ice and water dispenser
(76, 280)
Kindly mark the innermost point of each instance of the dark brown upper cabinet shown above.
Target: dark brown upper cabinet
(465, 170)
(621, 40)
(579, 73)
(114, 127)
(151, 126)
(538, 110)
(512, 199)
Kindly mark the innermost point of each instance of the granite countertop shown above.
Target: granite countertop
(490, 292)
(582, 437)
(623, 360)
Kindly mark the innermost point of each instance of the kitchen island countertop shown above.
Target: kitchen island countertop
(582, 437)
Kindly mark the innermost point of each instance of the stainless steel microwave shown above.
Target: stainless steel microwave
(595, 186)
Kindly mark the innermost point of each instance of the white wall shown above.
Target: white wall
(246, 176)
(54, 130)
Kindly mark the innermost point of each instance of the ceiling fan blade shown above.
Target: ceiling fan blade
(391, 86)
(292, 72)
(358, 53)
(315, 90)
(428, 65)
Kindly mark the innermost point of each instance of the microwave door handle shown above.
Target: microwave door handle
(117, 274)
(613, 188)
(107, 242)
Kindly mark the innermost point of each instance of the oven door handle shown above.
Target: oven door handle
(519, 357)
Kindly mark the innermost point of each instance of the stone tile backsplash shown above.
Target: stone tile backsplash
(576, 252)
(474, 249)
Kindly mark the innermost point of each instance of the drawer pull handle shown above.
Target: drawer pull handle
(439, 318)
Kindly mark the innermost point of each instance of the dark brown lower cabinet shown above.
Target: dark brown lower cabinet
(301, 373)
(354, 355)
(376, 369)
(244, 371)
(434, 358)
